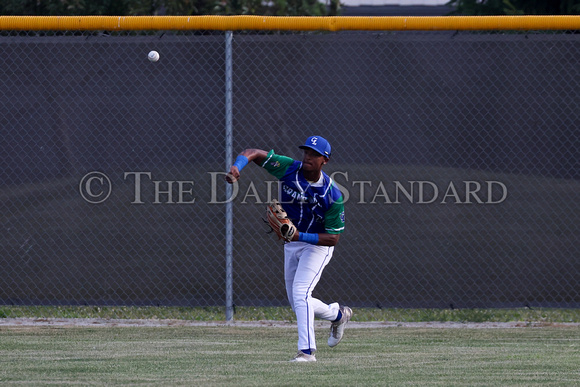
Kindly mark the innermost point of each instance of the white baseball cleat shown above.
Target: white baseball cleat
(303, 357)
(337, 328)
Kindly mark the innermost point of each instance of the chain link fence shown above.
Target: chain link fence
(457, 153)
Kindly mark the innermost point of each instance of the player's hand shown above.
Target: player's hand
(233, 175)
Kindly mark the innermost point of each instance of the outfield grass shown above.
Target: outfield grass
(534, 315)
(246, 356)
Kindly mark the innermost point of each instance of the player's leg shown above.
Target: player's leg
(324, 311)
(291, 255)
(291, 258)
(337, 326)
(336, 314)
(311, 262)
(330, 312)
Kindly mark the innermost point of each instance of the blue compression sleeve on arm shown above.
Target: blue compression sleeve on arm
(311, 238)
(241, 162)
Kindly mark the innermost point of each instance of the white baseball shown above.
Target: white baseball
(153, 56)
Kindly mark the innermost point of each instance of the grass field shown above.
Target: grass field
(256, 356)
(216, 313)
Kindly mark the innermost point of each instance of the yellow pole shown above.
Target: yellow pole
(295, 23)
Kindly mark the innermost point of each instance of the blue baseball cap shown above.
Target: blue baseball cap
(317, 143)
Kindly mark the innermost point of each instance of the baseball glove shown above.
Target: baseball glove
(279, 221)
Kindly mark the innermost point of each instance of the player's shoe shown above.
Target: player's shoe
(337, 328)
(303, 357)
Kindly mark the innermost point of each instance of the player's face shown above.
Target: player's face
(313, 161)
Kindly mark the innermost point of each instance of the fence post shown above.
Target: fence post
(229, 204)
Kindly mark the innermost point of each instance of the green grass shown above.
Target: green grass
(226, 355)
(538, 315)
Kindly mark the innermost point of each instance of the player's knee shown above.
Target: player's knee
(300, 299)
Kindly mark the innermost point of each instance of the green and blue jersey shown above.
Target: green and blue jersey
(312, 207)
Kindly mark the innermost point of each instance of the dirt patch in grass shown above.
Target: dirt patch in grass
(98, 322)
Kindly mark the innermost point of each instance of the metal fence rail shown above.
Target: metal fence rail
(457, 153)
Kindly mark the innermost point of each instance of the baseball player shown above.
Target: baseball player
(314, 205)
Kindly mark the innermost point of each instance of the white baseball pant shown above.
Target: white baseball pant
(303, 266)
